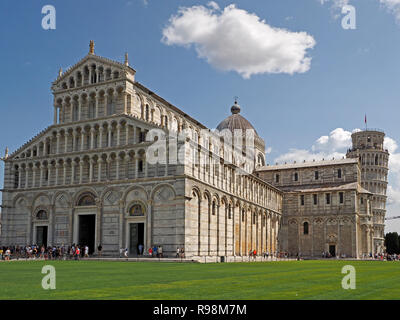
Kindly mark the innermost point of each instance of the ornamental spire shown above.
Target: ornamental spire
(126, 59)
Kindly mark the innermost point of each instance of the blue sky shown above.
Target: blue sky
(352, 72)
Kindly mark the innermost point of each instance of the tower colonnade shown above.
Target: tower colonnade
(368, 147)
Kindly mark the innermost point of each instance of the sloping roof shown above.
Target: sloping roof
(308, 164)
(342, 187)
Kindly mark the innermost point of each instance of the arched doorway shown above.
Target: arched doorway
(136, 228)
(86, 222)
(41, 228)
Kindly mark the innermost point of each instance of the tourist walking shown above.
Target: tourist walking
(86, 252)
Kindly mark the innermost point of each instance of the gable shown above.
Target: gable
(101, 69)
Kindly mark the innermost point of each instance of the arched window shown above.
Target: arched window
(136, 210)
(42, 215)
(305, 228)
(261, 160)
(16, 177)
(230, 212)
(110, 106)
(213, 208)
(86, 199)
(92, 107)
(75, 112)
(147, 113)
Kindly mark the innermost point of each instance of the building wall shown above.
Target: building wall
(333, 223)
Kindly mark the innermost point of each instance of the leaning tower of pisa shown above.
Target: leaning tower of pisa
(368, 147)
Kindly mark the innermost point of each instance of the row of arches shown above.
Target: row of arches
(130, 164)
(98, 135)
(90, 74)
(226, 226)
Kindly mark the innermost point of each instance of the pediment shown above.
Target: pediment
(85, 64)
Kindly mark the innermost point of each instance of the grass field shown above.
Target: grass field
(185, 281)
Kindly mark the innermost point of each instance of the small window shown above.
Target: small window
(277, 178)
(316, 175)
(341, 197)
(296, 176)
(302, 199)
(230, 212)
(339, 173)
(140, 166)
(243, 214)
(213, 208)
(362, 200)
(328, 198)
(315, 198)
(305, 228)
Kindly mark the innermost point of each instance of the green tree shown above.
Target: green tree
(392, 243)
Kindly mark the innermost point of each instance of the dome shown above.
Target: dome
(236, 121)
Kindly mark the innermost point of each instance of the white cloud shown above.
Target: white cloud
(338, 139)
(327, 147)
(393, 6)
(233, 39)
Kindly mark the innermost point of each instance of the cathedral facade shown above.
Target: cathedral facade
(95, 177)
(120, 166)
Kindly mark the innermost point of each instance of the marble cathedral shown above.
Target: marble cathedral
(90, 178)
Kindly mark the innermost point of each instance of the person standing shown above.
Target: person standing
(77, 253)
(155, 251)
(126, 252)
(140, 249)
(178, 252)
(150, 251)
(86, 251)
(8, 254)
(99, 248)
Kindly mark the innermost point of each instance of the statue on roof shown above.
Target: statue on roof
(91, 47)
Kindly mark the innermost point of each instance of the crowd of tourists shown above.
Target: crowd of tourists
(35, 251)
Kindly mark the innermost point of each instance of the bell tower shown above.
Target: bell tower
(368, 148)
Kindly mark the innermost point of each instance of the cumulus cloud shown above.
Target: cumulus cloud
(326, 147)
(233, 39)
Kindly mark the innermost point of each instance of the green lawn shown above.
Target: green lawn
(181, 281)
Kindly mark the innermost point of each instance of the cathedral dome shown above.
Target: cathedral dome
(236, 121)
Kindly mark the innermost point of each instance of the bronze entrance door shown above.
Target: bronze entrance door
(136, 237)
(41, 236)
